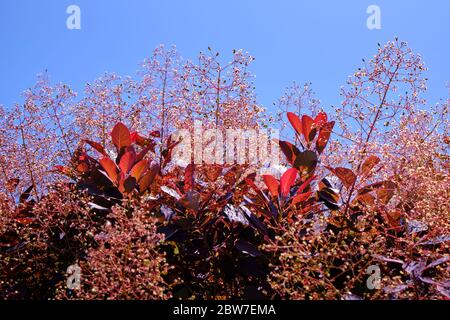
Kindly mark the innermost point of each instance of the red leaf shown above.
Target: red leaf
(144, 152)
(366, 199)
(295, 122)
(167, 152)
(127, 161)
(320, 119)
(139, 140)
(83, 157)
(64, 170)
(252, 184)
(138, 169)
(290, 151)
(121, 136)
(324, 136)
(301, 197)
(305, 184)
(189, 177)
(387, 184)
(135, 137)
(96, 146)
(386, 192)
(287, 180)
(305, 162)
(347, 176)
(146, 181)
(110, 167)
(83, 167)
(127, 185)
(272, 184)
(191, 200)
(368, 165)
(307, 128)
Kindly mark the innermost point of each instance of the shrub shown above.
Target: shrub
(125, 263)
(364, 189)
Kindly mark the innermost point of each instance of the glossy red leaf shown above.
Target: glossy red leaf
(147, 179)
(387, 191)
(369, 164)
(127, 185)
(135, 137)
(320, 119)
(141, 155)
(191, 200)
(83, 157)
(290, 151)
(83, 167)
(96, 146)
(121, 136)
(324, 136)
(305, 184)
(251, 183)
(347, 176)
(301, 197)
(272, 184)
(127, 161)
(295, 122)
(305, 162)
(138, 169)
(307, 128)
(110, 168)
(287, 180)
(378, 185)
(213, 171)
(140, 141)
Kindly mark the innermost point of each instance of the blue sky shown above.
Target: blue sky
(318, 41)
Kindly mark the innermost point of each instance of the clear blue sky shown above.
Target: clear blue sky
(319, 41)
